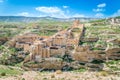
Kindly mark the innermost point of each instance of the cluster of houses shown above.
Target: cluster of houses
(45, 47)
(114, 20)
(61, 43)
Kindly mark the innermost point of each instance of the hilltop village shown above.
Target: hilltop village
(63, 50)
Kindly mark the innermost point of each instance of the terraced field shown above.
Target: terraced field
(104, 34)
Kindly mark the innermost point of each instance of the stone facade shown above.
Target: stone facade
(55, 45)
(83, 53)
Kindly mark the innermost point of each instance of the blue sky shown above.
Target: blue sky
(60, 8)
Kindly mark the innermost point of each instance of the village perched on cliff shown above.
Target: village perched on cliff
(90, 46)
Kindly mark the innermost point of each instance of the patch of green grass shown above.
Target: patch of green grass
(113, 62)
(114, 65)
(19, 64)
(100, 20)
(97, 48)
(9, 72)
(103, 73)
(23, 79)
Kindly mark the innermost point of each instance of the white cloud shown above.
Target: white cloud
(78, 15)
(52, 11)
(116, 13)
(101, 5)
(98, 10)
(56, 12)
(49, 9)
(65, 7)
(24, 14)
(99, 15)
(1, 1)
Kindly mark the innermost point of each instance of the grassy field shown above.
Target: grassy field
(9, 71)
(104, 33)
(43, 27)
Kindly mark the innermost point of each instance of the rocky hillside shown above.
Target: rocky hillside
(31, 19)
(98, 38)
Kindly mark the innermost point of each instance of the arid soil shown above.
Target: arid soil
(58, 75)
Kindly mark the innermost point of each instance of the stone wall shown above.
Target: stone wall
(57, 52)
(55, 45)
(59, 41)
(11, 43)
(90, 39)
(76, 23)
(19, 45)
(82, 48)
(113, 53)
(26, 47)
(72, 42)
(86, 56)
(83, 53)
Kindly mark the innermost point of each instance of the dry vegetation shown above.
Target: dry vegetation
(13, 71)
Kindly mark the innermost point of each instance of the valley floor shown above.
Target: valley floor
(32, 75)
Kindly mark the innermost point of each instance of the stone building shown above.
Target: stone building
(56, 45)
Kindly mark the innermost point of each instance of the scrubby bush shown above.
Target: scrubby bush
(67, 58)
(23, 79)
(3, 74)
